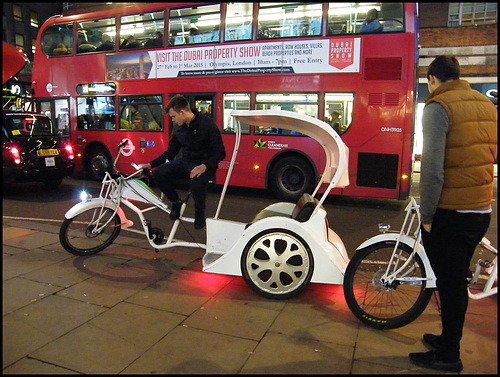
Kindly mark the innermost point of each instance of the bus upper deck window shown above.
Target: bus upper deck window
(57, 40)
(238, 21)
(193, 25)
(289, 20)
(143, 30)
(96, 35)
(345, 18)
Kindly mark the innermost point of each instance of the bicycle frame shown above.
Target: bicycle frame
(125, 190)
(410, 235)
(491, 269)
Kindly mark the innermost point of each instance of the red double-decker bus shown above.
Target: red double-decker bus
(106, 76)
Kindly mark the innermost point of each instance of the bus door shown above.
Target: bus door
(203, 102)
(57, 109)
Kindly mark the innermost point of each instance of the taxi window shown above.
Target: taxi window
(30, 126)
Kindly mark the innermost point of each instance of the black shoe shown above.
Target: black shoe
(175, 212)
(199, 220)
(432, 341)
(432, 360)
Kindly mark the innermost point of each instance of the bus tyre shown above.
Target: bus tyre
(99, 162)
(290, 177)
(380, 304)
(277, 264)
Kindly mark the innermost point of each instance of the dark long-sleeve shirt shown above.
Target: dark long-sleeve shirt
(201, 143)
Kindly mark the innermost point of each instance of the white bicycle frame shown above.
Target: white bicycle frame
(125, 190)
(410, 235)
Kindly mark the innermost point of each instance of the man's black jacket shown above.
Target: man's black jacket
(201, 143)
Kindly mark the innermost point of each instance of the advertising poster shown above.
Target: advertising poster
(309, 56)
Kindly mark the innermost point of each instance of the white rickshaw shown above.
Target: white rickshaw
(287, 245)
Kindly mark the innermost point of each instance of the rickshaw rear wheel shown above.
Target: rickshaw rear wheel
(277, 264)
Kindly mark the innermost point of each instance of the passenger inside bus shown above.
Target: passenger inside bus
(84, 45)
(130, 42)
(334, 120)
(60, 50)
(371, 24)
(156, 41)
(107, 44)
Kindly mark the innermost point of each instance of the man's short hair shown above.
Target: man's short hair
(444, 67)
(178, 103)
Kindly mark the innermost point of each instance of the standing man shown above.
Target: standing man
(456, 190)
(202, 149)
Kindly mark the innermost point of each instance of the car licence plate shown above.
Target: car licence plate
(48, 152)
(50, 161)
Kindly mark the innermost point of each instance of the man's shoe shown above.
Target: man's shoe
(432, 341)
(432, 360)
(199, 220)
(175, 212)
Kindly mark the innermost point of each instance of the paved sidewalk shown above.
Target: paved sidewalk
(129, 310)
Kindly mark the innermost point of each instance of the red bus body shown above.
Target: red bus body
(383, 88)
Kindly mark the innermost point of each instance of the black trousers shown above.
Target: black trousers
(450, 246)
(165, 175)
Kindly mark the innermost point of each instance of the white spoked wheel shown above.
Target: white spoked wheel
(277, 264)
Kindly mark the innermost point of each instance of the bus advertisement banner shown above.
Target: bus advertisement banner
(320, 56)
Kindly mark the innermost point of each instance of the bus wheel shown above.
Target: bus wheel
(98, 163)
(290, 178)
(277, 264)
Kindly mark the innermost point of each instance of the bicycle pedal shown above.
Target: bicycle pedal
(484, 263)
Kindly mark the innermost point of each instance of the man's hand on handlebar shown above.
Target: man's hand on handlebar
(141, 166)
(145, 168)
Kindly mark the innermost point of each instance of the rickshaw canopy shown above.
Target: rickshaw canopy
(335, 173)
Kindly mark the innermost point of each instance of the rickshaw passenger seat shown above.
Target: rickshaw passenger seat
(302, 211)
(304, 208)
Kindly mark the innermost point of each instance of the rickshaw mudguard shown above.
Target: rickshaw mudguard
(81, 207)
(408, 241)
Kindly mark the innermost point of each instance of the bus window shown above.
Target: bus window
(204, 106)
(141, 113)
(57, 40)
(198, 24)
(238, 21)
(339, 110)
(96, 113)
(234, 101)
(303, 103)
(96, 35)
(345, 18)
(289, 20)
(142, 30)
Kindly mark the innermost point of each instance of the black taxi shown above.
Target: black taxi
(33, 150)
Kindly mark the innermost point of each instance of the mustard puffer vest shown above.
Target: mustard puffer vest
(471, 146)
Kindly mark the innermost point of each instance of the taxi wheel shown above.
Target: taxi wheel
(53, 183)
(277, 264)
